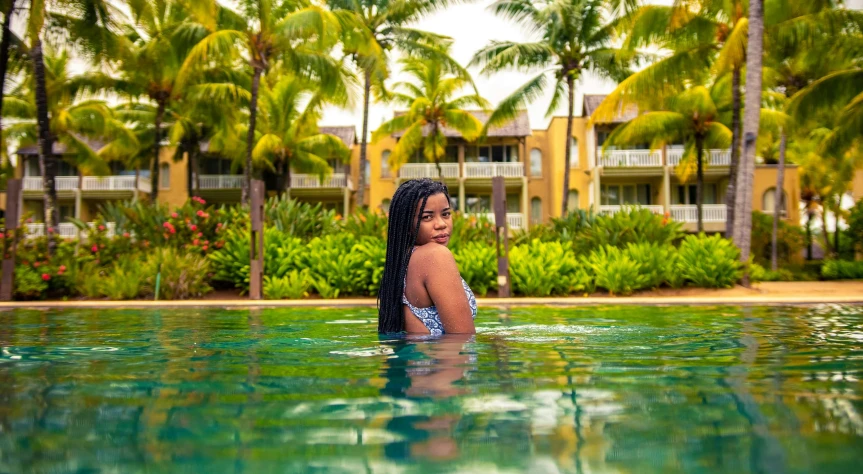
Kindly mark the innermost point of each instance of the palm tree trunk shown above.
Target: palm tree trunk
(137, 180)
(699, 184)
(157, 148)
(731, 193)
(751, 123)
(808, 234)
(780, 204)
(434, 152)
(361, 187)
(287, 161)
(570, 83)
(250, 138)
(828, 250)
(836, 231)
(4, 55)
(47, 159)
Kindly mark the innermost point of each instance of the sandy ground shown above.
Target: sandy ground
(767, 293)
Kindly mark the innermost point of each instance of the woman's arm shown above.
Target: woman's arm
(443, 283)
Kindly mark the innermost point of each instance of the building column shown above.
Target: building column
(78, 203)
(461, 197)
(347, 201)
(525, 203)
(666, 187)
(461, 161)
(597, 189)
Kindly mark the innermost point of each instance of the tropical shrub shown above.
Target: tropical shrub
(300, 219)
(470, 229)
(373, 252)
(545, 268)
(335, 268)
(654, 260)
(366, 223)
(183, 275)
(124, 280)
(855, 226)
(842, 270)
(624, 227)
(709, 262)
(616, 271)
(29, 283)
(790, 239)
(231, 263)
(477, 264)
(293, 285)
(759, 273)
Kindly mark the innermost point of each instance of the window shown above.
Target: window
(536, 163)
(769, 201)
(385, 166)
(215, 166)
(625, 195)
(686, 194)
(164, 176)
(572, 200)
(66, 211)
(573, 153)
(491, 153)
(536, 210)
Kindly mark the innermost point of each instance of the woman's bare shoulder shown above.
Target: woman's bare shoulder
(433, 250)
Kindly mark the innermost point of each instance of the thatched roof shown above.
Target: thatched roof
(59, 148)
(348, 133)
(518, 127)
(592, 101)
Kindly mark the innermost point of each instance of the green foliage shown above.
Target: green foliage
(337, 267)
(790, 239)
(616, 271)
(125, 280)
(282, 254)
(759, 273)
(294, 285)
(183, 276)
(545, 268)
(300, 219)
(624, 227)
(373, 251)
(470, 229)
(655, 262)
(709, 262)
(363, 222)
(477, 264)
(29, 283)
(855, 226)
(842, 270)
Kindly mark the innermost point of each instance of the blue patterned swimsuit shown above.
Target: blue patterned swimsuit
(430, 316)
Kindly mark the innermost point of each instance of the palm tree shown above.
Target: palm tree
(265, 32)
(9, 40)
(751, 121)
(691, 118)
(432, 108)
(288, 138)
(576, 36)
(373, 28)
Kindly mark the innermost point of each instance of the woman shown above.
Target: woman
(421, 289)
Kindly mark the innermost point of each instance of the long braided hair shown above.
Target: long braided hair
(404, 223)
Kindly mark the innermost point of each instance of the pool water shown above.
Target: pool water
(586, 390)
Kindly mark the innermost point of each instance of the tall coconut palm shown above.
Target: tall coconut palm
(576, 36)
(690, 118)
(432, 107)
(296, 33)
(10, 48)
(372, 30)
(288, 138)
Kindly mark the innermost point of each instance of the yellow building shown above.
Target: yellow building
(531, 161)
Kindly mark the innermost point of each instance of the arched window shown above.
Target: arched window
(536, 210)
(572, 200)
(164, 176)
(769, 201)
(536, 163)
(573, 153)
(385, 164)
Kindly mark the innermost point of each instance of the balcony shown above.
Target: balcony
(312, 181)
(714, 157)
(612, 210)
(220, 181)
(428, 170)
(630, 158)
(491, 170)
(514, 220)
(689, 213)
(90, 184)
(65, 230)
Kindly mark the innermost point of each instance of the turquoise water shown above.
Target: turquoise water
(588, 390)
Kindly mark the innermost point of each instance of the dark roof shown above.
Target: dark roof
(518, 127)
(592, 101)
(59, 148)
(348, 133)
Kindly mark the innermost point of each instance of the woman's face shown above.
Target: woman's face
(436, 221)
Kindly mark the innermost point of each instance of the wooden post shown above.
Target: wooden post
(498, 198)
(256, 264)
(13, 216)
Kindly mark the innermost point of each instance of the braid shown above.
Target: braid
(403, 227)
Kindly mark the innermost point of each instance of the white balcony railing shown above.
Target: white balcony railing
(689, 213)
(630, 158)
(490, 170)
(714, 157)
(428, 170)
(514, 220)
(612, 210)
(88, 183)
(221, 181)
(335, 180)
(145, 185)
(66, 230)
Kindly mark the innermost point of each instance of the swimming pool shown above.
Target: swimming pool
(594, 389)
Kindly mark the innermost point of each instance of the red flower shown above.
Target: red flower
(173, 231)
(126, 235)
(62, 268)
(200, 213)
(204, 248)
(35, 264)
(2, 235)
(195, 242)
(193, 227)
(46, 276)
(200, 234)
(50, 230)
(174, 215)
(101, 228)
(94, 248)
